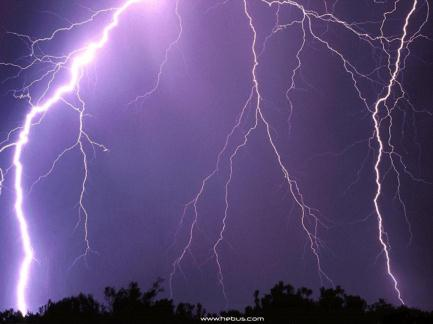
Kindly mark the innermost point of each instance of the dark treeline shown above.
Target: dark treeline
(283, 304)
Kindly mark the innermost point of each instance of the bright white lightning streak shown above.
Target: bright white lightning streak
(85, 55)
(306, 24)
(383, 100)
(377, 121)
(83, 58)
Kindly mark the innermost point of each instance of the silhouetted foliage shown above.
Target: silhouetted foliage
(283, 304)
(79, 309)
(11, 316)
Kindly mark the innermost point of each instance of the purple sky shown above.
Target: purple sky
(163, 146)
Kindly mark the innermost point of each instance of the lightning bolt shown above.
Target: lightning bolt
(308, 215)
(79, 60)
(377, 121)
(311, 221)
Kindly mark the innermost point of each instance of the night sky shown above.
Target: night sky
(162, 147)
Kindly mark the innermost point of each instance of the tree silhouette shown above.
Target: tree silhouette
(11, 316)
(79, 309)
(283, 304)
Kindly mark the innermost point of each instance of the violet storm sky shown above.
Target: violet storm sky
(220, 145)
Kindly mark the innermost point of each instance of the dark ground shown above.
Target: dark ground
(283, 304)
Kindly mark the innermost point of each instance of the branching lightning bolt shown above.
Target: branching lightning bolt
(381, 110)
(308, 213)
(79, 60)
(376, 118)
